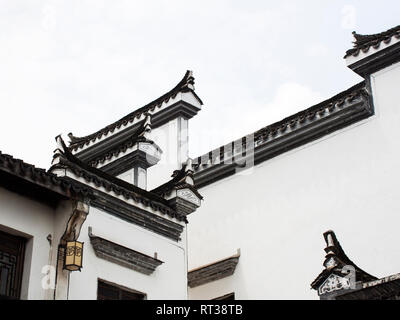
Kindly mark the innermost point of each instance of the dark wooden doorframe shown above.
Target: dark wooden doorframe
(12, 252)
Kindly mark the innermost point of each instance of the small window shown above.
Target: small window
(12, 250)
(229, 296)
(108, 291)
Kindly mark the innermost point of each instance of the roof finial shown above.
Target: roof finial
(59, 151)
(189, 165)
(147, 126)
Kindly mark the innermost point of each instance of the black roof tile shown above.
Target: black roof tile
(111, 183)
(185, 85)
(28, 174)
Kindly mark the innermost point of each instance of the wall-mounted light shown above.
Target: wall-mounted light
(73, 256)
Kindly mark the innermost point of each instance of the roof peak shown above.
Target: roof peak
(337, 262)
(185, 85)
(365, 41)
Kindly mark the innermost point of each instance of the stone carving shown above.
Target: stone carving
(188, 195)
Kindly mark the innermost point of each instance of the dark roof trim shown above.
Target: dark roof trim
(387, 288)
(137, 216)
(345, 108)
(123, 146)
(123, 256)
(377, 61)
(185, 85)
(365, 42)
(335, 251)
(174, 111)
(176, 183)
(213, 272)
(110, 183)
(24, 178)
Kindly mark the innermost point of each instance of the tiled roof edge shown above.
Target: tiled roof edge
(127, 190)
(365, 42)
(312, 123)
(334, 249)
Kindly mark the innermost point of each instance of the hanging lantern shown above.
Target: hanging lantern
(73, 256)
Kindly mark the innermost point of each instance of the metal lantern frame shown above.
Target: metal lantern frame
(73, 255)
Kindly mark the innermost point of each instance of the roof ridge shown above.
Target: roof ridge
(119, 183)
(10, 157)
(335, 251)
(42, 173)
(298, 115)
(185, 85)
(121, 147)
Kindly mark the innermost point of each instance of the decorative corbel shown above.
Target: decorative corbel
(80, 211)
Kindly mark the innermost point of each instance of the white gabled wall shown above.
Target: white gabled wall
(348, 181)
(172, 138)
(169, 281)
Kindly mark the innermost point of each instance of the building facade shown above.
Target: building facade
(333, 166)
(125, 213)
(96, 206)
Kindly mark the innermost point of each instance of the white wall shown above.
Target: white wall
(34, 221)
(169, 281)
(348, 181)
(172, 138)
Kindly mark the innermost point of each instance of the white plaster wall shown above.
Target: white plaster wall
(34, 221)
(348, 181)
(172, 138)
(169, 281)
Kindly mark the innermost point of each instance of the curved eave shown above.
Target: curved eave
(343, 260)
(110, 183)
(185, 85)
(363, 43)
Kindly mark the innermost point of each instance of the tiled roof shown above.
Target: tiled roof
(110, 183)
(387, 288)
(123, 256)
(365, 42)
(185, 85)
(288, 133)
(177, 182)
(40, 177)
(213, 271)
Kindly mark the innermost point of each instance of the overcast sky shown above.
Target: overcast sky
(76, 66)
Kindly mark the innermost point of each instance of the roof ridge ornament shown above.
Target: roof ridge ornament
(340, 272)
(185, 85)
(146, 126)
(363, 42)
(360, 39)
(189, 165)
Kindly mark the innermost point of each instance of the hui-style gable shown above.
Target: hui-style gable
(166, 107)
(339, 270)
(344, 109)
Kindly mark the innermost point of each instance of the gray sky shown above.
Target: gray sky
(76, 66)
